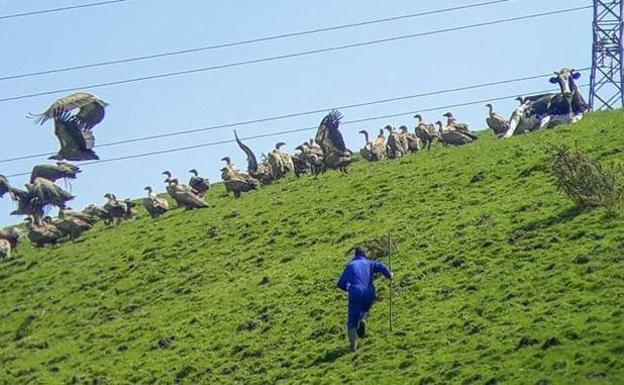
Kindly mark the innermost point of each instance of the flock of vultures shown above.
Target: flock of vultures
(76, 115)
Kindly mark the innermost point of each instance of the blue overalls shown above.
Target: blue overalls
(358, 280)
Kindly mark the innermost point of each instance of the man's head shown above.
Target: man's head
(359, 252)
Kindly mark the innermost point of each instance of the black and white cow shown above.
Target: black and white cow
(550, 110)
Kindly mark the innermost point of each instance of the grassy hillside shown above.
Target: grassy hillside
(498, 281)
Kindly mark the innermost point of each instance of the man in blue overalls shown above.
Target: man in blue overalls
(358, 280)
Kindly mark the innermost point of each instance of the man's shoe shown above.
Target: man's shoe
(361, 330)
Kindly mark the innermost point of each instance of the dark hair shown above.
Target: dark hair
(360, 251)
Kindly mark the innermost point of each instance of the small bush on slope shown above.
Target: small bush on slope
(586, 181)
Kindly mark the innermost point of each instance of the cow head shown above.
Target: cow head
(565, 79)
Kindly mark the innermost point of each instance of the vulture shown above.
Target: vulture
(154, 205)
(452, 125)
(286, 159)
(369, 151)
(394, 147)
(4, 185)
(130, 205)
(68, 212)
(236, 181)
(8, 241)
(45, 233)
(90, 110)
(307, 161)
(425, 132)
(495, 122)
(69, 226)
(115, 210)
(409, 140)
(76, 144)
(199, 184)
(452, 137)
(274, 160)
(336, 155)
(184, 195)
(260, 171)
(96, 213)
(54, 172)
(39, 194)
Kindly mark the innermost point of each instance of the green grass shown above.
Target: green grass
(500, 281)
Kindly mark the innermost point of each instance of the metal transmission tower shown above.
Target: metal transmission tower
(607, 77)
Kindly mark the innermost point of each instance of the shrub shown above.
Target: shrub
(586, 181)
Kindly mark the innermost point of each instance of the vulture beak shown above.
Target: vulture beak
(226, 160)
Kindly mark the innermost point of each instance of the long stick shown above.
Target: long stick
(390, 281)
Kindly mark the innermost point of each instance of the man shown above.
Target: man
(358, 280)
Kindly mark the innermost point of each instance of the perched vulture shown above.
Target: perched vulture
(394, 147)
(154, 205)
(452, 137)
(495, 122)
(336, 155)
(185, 196)
(425, 132)
(90, 110)
(236, 181)
(45, 233)
(369, 151)
(71, 227)
(115, 209)
(199, 184)
(53, 172)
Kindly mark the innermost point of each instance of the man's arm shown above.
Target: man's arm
(379, 267)
(343, 282)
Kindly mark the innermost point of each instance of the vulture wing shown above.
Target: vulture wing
(69, 103)
(51, 172)
(76, 144)
(328, 133)
(252, 162)
(49, 193)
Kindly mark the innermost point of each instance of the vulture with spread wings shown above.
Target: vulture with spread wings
(336, 155)
(90, 110)
(53, 172)
(73, 129)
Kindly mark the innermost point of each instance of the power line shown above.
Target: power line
(291, 131)
(295, 114)
(51, 10)
(292, 55)
(251, 41)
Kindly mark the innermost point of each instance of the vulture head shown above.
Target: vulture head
(148, 189)
(300, 148)
(279, 144)
(403, 129)
(227, 160)
(389, 128)
(167, 173)
(419, 117)
(194, 172)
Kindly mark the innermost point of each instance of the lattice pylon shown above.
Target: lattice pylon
(607, 77)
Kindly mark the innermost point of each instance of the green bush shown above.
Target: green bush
(586, 181)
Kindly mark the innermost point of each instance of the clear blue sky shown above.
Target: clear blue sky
(140, 27)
